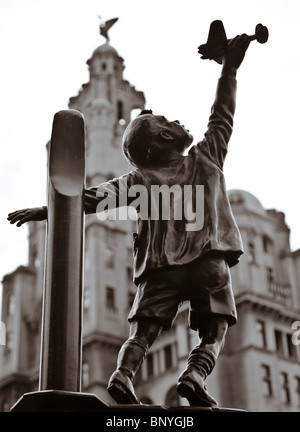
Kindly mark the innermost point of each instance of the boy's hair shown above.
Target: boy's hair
(137, 142)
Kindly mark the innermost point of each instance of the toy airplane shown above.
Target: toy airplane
(217, 41)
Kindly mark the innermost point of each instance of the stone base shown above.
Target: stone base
(168, 410)
(63, 401)
(59, 401)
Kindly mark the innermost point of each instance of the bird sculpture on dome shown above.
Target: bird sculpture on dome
(105, 26)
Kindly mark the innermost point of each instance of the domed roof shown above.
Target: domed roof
(246, 199)
(105, 49)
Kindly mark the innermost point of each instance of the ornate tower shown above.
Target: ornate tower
(106, 102)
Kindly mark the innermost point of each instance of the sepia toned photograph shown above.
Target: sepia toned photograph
(150, 254)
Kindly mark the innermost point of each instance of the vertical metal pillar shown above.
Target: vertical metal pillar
(61, 349)
(60, 367)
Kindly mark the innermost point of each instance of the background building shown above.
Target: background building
(259, 368)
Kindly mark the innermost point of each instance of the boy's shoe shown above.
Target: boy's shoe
(121, 389)
(191, 386)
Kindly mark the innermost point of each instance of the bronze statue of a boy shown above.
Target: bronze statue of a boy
(172, 264)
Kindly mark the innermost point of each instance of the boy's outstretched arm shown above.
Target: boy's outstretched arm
(26, 215)
(19, 217)
(92, 197)
(220, 124)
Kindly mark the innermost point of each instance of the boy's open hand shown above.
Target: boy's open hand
(236, 50)
(26, 215)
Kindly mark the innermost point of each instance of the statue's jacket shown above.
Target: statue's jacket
(160, 243)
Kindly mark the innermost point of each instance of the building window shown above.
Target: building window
(109, 233)
(11, 306)
(109, 257)
(35, 260)
(85, 374)
(292, 352)
(9, 342)
(103, 66)
(131, 297)
(110, 298)
(285, 388)
(251, 251)
(168, 356)
(270, 276)
(267, 244)
(120, 113)
(86, 300)
(2, 333)
(120, 110)
(267, 380)
(261, 331)
(279, 342)
(297, 378)
(129, 274)
(150, 365)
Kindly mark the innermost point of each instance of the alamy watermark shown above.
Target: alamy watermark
(296, 334)
(164, 203)
(2, 333)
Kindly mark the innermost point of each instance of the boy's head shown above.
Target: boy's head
(150, 139)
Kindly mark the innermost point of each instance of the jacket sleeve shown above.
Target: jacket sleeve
(115, 193)
(217, 136)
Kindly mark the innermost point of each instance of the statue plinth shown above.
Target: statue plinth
(64, 401)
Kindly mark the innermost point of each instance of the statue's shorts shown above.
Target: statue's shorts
(205, 283)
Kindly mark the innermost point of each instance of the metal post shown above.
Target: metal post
(62, 309)
(61, 349)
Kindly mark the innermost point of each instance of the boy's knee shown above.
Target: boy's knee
(213, 331)
(144, 332)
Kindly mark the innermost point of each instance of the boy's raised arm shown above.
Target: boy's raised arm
(221, 119)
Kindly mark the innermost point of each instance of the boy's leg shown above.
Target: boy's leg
(201, 362)
(212, 311)
(142, 334)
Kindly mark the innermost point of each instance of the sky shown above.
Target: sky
(44, 46)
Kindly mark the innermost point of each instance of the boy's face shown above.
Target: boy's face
(172, 135)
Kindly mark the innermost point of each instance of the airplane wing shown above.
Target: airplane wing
(216, 43)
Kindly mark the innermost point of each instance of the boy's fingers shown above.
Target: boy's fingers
(233, 41)
(243, 41)
(17, 217)
(23, 220)
(10, 215)
(14, 220)
(240, 41)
